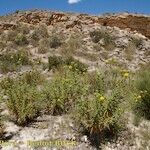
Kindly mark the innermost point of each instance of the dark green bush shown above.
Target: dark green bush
(55, 62)
(55, 42)
(75, 65)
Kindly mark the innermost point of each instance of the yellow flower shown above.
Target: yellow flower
(126, 74)
(107, 61)
(139, 97)
(70, 67)
(102, 98)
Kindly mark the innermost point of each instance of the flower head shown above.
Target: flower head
(70, 67)
(102, 98)
(139, 97)
(126, 74)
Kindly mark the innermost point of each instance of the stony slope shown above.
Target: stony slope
(130, 48)
(123, 40)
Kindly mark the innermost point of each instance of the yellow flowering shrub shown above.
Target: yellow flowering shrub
(102, 108)
(61, 93)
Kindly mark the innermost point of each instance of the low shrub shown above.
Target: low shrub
(42, 31)
(33, 78)
(43, 46)
(62, 91)
(1, 129)
(101, 109)
(71, 45)
(11, 35)
(55, 62)
(75, 65)
(22, 102)
(55, 41)
(143, 94)
(7, 83)
(21, 39)
(11, 61)
(97, 35)
(99, 112)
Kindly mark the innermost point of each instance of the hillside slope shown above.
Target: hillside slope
(50, 61)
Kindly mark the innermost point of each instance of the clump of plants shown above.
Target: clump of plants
(55, 41)
(13, 60)
(1, 129)
(75, 65)
(33, 78)
(41, 32)
(24, 98)
(101, 109)
(61, 93)
(56, 62)
(22, 102)
(98, 35)
(43, 46)
(143, 94)
(7, 83)
(74, 43)
(21, 39)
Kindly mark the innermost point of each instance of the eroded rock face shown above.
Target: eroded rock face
(139, 23)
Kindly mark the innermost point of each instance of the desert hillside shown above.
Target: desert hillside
(74, 78)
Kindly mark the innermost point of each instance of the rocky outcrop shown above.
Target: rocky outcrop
(139, 23)
(6, 26)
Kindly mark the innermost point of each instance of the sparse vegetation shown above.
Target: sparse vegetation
(86, 81)
(11, 61)
(33, 78)
(72, 45)
(21, 39)
(55, 62)
(43, 46)
(1, 130)
(55, 41)
(143, 94)
(98, 35)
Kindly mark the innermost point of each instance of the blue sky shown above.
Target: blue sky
(82, 6)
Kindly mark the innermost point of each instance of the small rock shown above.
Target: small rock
(84, 139)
